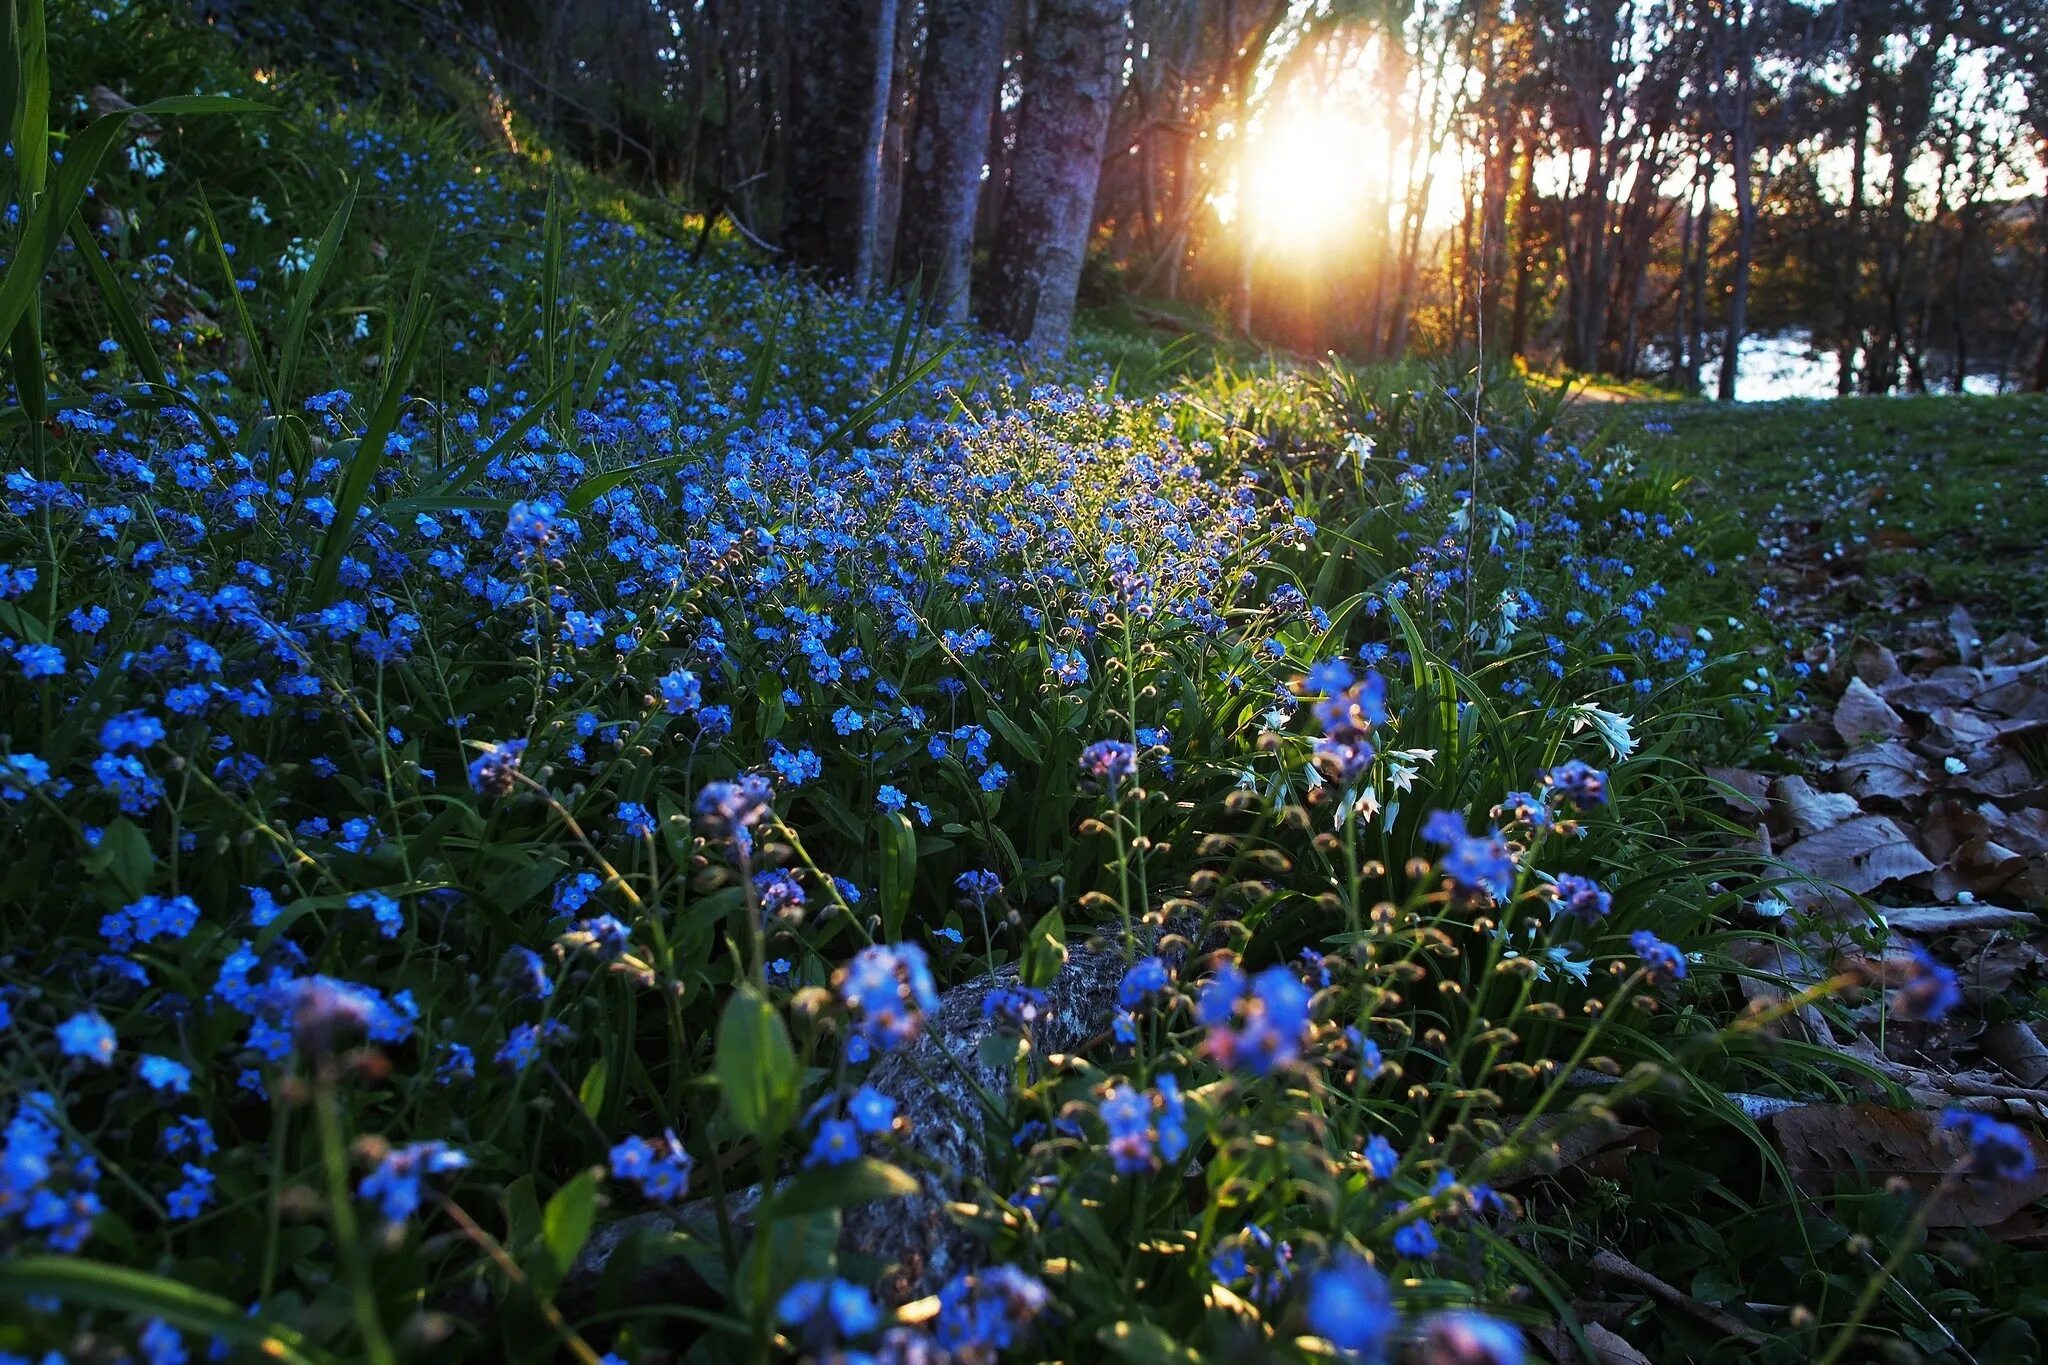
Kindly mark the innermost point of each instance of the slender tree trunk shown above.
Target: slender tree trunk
(1530, 222)
(840, 54)
(1851, 264)
(949, 146)
(1070, 87)
(1741, 154)
(901, 109)
(2040, 379)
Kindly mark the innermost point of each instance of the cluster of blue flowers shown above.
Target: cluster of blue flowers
(467, 843)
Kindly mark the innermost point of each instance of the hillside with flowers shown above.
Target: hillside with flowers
(567, 793)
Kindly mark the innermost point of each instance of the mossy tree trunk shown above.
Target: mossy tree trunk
(840, 54)
(1070, 86)
(948, 149)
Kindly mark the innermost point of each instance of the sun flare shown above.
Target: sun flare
(1307, 180)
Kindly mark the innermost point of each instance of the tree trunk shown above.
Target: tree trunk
(2040, 380)
(1070, 87)
(840, 53)
(905, 53)
(1851, 266)
(1745, 240)
(956, 95)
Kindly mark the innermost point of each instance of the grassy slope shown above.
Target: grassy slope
(1787, 456)
(1934, 501)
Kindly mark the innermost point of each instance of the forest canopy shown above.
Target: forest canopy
(1622, 186)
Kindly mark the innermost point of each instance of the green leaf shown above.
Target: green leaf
(566, 1223)
(134, 336)
(27, 97)
(361, 467)
(264, 379)
(591, 1093)
(52, 214)
(1045, 951)
(898, 873)
(1145, 1343)
(124, 854)
(120, 1289)
(551, 288)
(1025, 746)
(838, 1187)
(757, 1066)
(309, 288)
(510, 436)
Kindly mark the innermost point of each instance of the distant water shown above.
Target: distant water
(1778, 365)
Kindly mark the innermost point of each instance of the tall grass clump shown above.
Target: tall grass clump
(508, 727)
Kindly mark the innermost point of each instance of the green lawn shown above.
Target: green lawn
(1932, 501)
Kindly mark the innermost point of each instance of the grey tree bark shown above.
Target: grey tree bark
(1070, 87)
(963, 60)
(840, 53)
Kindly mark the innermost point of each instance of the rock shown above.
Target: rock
(942, 1122)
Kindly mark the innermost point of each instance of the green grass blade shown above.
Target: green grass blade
(478, 463)
(122, 1290)
(264, 379)
(25, 98)
(551, 293)
(309, 289)
(134, 336)
(369, 451)
(52, 214)
(875, 406)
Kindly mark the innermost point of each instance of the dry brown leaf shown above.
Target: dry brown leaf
(1951, 919)
(1997, 772)
(1861, 854)
(1872, 662)
(1785, 967)
(1813, 811)
(1985, 866)
(1748, 792)
(1969, 728)
(1841, 1146)
(1943, 687)
(2016, 700)
(1863, 715)
(1575, 1140)
(2012, 648)
(1963, 632)
(1990, 972)
(1608, 1349)
(2019, 1049)
(1885, 771)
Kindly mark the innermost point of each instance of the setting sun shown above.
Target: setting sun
(1307, 181)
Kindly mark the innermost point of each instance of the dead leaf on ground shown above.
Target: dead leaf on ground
(1990, 972)
(1842, 1146)
(1872, 662)
(1784, 967)
(2011, 648)
(2019, 1049)
(2016, 700)
(1608, 1349)
(1813, 811)
(1748, 792)
(1861, 715)
(1560, 1141)
(1963, 631)
(1950, 919)
(1943, 687)
(1884, 771)
(1997, 772)
(1861, 854)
